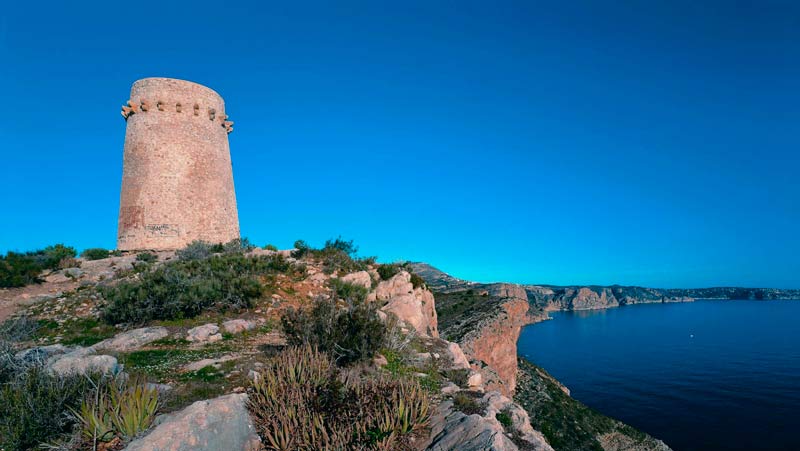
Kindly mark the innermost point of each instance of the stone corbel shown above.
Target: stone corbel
(130, 108)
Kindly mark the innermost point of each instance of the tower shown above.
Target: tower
(177, 179)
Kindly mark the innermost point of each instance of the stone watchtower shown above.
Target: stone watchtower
(177, 180)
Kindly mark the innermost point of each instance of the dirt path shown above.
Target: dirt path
(14, 299)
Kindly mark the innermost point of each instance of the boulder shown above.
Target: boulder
(475, 380)
(361, 278)
(236, 326)
(132, 339)
(207, 333)
(455, 430)
(40, 353)
(457, 355)
(217, 424)
(83, 361)
(200, 364)
(413, 306)
(520, 421)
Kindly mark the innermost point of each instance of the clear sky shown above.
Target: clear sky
(653, 142)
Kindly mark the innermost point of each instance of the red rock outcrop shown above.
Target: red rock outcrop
(495, 341)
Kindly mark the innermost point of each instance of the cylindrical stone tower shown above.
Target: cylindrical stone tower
(177, 180)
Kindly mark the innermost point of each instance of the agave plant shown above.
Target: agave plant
(95, 419)
(302, 402)
(133, 408)
(117, 409)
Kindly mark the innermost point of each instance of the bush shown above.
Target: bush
(95, 253)
(337, 255)
(196, 250)
(271, 247)
(504, 418)
(184, 289)
(301, 248)
(301, 401)
(237, 245)
(417, 281)
(146, 257)
(351, 333)
(388, 271)
(18, 269)
(199, 250)
(35, 407)
(51, 256)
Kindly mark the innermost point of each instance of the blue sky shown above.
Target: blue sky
(648, 143)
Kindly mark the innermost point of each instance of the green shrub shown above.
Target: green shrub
(504, 418)
(301, 401)
(35, 407)
(351, 333)
(417, 281)
(196, 250)
(51, 256)
(146, 257)
(199, 250)
(301, 248)
(20, 269)
(185, 288)
(237, 245)
(337, 255)
(271, 247)
(95, 253)
(388, 271)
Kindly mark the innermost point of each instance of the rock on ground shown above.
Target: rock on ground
(413, 306)
(132, 339)
(455, 430)
(236, 326)
(207, 333)
(200, 364)
(361, 278)
(82, 361)
(213, 425)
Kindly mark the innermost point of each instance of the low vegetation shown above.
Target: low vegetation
(20, 269)
(189, 286)
(117, 409)
(303, 402)
(565, 422)
(343, 325)
(336, 255)
(95, 253)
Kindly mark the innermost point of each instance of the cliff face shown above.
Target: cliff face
(551, 298)
(495, 341)
(486, 320)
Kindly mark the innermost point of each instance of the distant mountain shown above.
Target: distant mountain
(583, 297)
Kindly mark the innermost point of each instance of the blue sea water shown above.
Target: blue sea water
(704, 375)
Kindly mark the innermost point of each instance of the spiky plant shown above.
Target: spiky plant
(302, 402)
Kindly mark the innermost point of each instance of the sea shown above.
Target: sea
(704, 375)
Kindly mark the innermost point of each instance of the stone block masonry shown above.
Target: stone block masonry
(177, 179)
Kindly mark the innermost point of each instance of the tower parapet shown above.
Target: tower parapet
(177, 179)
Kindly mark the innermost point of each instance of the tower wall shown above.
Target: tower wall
(177, 179)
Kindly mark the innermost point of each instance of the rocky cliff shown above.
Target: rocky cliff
(486, 320)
